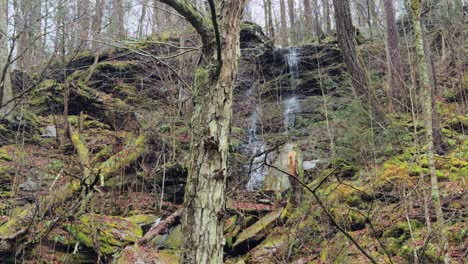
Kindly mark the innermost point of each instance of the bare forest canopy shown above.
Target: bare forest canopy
(233, 131)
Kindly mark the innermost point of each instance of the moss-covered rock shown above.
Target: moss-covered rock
(146, 255)
(268, 248)
(259, 230)
(111, 232)
(142, 219)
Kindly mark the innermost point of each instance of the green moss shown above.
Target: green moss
(112, 232)
(174, 239)
(142, 219)
(116, 65)
(259, 229)
(4, 155)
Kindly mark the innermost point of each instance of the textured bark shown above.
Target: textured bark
(205, 190)
(427, 90)
(394, 65)
(271, 27)
(84, 23)
(6, 90)
(205, 195)
(142, 19)
(317, 24)
(308, 18)
(327, 14)
(96, 24)
(292, 21)
(28, 26)
(117, 27)
(284, 26)
(347, 42)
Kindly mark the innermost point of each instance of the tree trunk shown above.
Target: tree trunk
(84, 23)
(96, 25)
(292, 21)
(117, 27)
(308, 18)
(6, 91)
(284, 26)
(394, 65)
(271, 27)
(326, 5)
(347, 42)
(427, 90)
(142, 19)
(317, 24)
(205, 194)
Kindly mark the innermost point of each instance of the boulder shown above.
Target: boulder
(112, 232)
(259, 230)
(146, 255)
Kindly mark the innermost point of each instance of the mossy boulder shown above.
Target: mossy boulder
(146, 255)
(142, 219)
(111, 232)
(173, 240)
(268, 248)
(258, 230)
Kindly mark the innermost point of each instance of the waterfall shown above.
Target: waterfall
(255, 147)
(291, 105)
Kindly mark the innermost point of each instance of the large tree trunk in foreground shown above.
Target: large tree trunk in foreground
(347, 42)
(203, 220)
(427, 90)
(205, 191)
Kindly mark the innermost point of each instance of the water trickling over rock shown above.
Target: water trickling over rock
(256, 149)
(291, 105)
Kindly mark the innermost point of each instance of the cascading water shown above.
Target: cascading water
(291, 105)
(256, 149)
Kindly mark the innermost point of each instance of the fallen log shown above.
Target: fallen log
(161, 227)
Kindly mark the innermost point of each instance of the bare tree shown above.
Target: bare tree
(6, 91)
(284, 26)
(424, 67)
(292, 21)
(308, 17)
(327, 15)
(394, 65)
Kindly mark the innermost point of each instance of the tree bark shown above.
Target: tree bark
(6, 90)
(427, 91)
(308, 18)
(326, 5)
(292, 21)
(205, 195)
(317, 24)
(271, 27)
(141, 21)
(347, 42)
(284, 26)
(394, 65)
